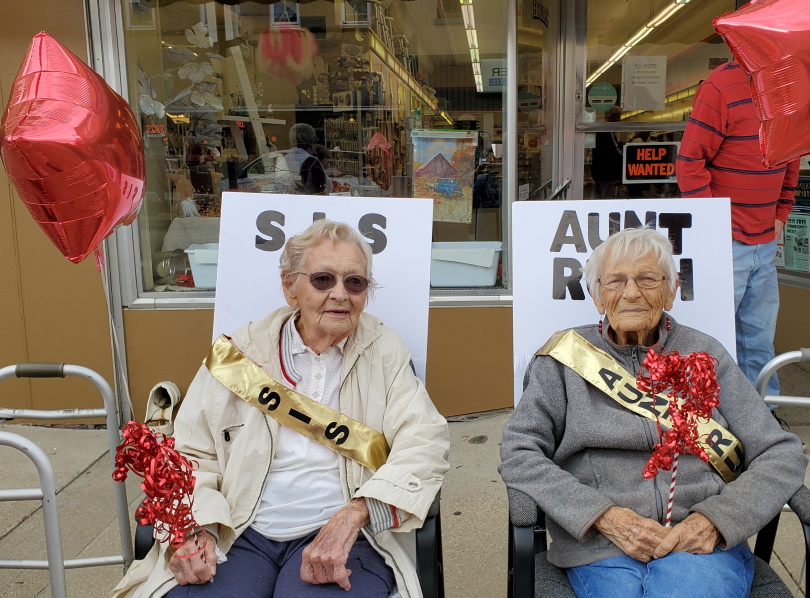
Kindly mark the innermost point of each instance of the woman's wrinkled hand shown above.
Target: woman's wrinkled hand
(637, 536)
(192, 569)
(695, 534)
(324, 560)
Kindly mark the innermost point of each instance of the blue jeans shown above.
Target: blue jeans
(262, 568)
(756, 301)
(722, 574)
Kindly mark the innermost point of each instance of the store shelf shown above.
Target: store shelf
(264, 121)
(392, 62)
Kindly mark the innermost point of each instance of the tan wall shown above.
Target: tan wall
(50, 309)
(469, 365)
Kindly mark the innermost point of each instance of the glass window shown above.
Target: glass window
(648, 57)
(538, 41)
(604, 162)
(347, 97)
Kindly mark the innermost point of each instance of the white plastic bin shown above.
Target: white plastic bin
(203, 258)
(464, 264)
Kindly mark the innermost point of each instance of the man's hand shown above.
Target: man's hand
(324, 560)
(192, 569)
(695, 534)
(778, 225)
(637, 536)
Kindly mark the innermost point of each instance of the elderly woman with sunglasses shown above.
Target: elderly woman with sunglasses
(581, 435)
(294, 509)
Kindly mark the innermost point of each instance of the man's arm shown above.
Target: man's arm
(702, 139)
(788, 195)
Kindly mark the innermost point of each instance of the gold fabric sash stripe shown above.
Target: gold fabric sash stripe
(334, 430)
(726, 453)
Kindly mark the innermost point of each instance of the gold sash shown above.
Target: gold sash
(337, 432)
(725, 451)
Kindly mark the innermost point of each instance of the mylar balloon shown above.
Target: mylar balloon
(771, 40)
(287, 52)
(72, 148)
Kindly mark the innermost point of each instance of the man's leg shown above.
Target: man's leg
(370, 577)
(250, 571)
(616, 577)
(757, 311)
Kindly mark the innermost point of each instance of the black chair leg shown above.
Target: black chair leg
(765, 539)
(429, 558)
(520, 583)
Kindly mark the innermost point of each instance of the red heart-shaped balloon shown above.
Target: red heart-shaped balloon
(72, 148)
(771, 41)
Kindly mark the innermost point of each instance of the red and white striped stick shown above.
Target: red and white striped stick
(672, 489)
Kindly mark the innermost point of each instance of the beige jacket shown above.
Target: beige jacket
(234, 444)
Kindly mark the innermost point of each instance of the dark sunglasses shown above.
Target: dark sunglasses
(326, 281)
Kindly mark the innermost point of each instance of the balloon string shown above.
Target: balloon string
(99, 258)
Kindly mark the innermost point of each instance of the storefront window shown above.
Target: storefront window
(648, 56)
(538, 41)
(643, 64)
(345, 97)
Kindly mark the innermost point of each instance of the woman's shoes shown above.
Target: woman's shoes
(163, 400)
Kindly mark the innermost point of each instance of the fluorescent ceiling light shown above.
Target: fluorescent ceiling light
(474, 55)
(617, 56)
(472, 38)
(640, 35)
(665, 14)
(468, 13)
(476, 68)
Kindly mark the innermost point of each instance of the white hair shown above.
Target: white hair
(294, 255)
(627, 245)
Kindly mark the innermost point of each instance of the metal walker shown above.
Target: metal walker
(46, 492)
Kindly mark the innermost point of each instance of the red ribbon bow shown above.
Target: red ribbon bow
(690, 382)
(168, 481)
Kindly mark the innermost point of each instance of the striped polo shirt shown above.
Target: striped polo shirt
(720, 156)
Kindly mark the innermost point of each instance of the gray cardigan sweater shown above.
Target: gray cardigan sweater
(577, 453)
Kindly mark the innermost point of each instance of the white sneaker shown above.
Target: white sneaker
(163, 399)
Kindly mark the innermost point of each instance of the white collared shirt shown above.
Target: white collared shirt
(303, 488)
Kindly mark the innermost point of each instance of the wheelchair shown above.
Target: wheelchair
(530, 573)
(429, 562)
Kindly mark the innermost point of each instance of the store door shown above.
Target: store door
(539, 126)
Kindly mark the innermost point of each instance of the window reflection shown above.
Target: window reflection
(318, 96)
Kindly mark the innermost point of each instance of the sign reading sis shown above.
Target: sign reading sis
(255, 227)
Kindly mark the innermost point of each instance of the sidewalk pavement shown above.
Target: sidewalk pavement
(474, 508)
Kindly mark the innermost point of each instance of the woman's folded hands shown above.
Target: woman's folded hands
(644, 539)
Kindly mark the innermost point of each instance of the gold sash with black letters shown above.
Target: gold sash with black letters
(332, 429)
(726, 453)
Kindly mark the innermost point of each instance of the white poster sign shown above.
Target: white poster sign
(644, 81)
(551, 241)
(493, 74)
(255, 227)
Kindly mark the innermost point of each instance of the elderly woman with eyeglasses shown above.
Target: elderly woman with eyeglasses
(581, 435)
(316, 443)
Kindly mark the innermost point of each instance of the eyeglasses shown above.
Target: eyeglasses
(645, 280)
(326, 281)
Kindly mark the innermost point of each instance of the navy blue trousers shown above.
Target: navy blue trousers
(262, 568)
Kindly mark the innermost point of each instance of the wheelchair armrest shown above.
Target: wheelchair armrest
(429, 562)
(523, 524)
(522, 508)
(144, 540)
(800, 504)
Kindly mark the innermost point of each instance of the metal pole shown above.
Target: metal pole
(53, 535)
